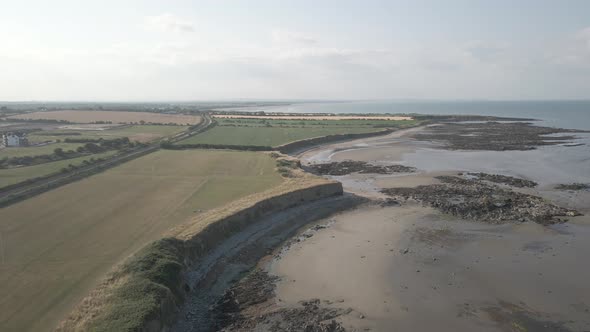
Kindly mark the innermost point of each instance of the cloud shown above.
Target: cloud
(291, 37)
(486, 51)
(169, 22)
(573, 52)
(295, 65)
(583, 37)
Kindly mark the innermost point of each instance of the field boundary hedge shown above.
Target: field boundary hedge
(169, 146)
(310, 142)
(285, 148)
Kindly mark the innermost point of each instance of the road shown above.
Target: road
(12, 195)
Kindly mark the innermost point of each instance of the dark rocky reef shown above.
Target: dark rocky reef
(247, 306)
(495, 136)
(504, 179)
(474, 199)
(350, 166)
(573, 186)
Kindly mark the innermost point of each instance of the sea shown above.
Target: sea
(546, 164)
(574, 114)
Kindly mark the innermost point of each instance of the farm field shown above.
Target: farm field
(58, 245)
(139, 133)
(15, 175)
(318, 122)
(265, 136)
(111, 116)
(274, 132)
(36, 150)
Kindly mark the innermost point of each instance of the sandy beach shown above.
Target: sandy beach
(406, 266)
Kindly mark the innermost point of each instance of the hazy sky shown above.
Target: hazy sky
(203, 50)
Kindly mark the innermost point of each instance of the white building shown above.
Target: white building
(14, 139)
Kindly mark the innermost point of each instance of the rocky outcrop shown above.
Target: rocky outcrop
(351, 166)
(474, 199)
(504, 179)
(496, 136)
(573, 186)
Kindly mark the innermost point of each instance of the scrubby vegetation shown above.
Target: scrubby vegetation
(286, 165)
(13, 176)
(91, 146)
(170, 146)
(153, 274)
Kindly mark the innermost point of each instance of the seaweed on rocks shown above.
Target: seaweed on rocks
(504, 179)
(495, 136)
(350, 166)
(473, 199)
(248, 306)
(573, 186)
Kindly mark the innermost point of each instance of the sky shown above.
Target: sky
(176, 50)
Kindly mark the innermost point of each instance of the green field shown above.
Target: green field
(313, 123)
(266, 136)
(37, 150)
(271, 132)
(58, 245)
(144, 133)
(15, 175)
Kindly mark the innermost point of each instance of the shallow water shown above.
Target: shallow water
(547, 165)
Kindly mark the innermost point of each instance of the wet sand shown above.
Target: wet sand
(411, 268)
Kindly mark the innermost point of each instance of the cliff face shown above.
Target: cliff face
(146, 292)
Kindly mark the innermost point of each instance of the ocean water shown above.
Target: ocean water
(546, 164)
(563, 114)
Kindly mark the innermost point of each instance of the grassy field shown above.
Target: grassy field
(266, 136)
(58, 245)
(111, 116)
(342, 123)
(37, 150)
(15, 175)
(144, 133)
(274, 132)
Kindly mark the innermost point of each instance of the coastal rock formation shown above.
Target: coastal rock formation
(351, 166)
(248, 305)
(495, 136)
(474, 199)
(574, 186)
(508, 180)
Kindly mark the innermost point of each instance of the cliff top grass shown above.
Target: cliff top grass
(137, 290)
(81, 230)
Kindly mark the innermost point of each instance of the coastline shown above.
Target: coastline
(148, 289)
(408, 266)
(378, 210)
